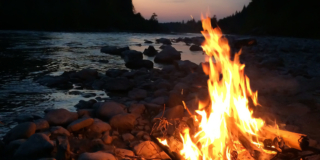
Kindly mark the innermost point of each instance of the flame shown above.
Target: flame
(229, 114)
(164, 142)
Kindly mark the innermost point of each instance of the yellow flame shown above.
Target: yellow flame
(229, 112)
(164, 142)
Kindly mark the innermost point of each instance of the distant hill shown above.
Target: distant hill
(73, 15)
(297, 18)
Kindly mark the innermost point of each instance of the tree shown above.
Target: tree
(154, 17)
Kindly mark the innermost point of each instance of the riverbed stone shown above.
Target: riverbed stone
(60, 117)
(98, 127)
(195, 48)
(136, 108)
(41, 124)
(137, 94)
(79, 124)
(96, 156)
(146, 149)
(131, 55)
(58, 130)
(36, 146)
(107, 110)
(21, 131)
(167, 55)
(87, 74)
(123, 153)
(150, 51)
(137, 64)
(13, 146)
(127, 137)
(164, 41)
(120, 84)
(123, 121)
(115, 50)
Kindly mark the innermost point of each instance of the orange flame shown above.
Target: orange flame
(164, 142)
(229, 113)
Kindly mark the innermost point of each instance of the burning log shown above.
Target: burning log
(172, 155)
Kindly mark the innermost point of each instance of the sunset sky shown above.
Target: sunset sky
(178, 10)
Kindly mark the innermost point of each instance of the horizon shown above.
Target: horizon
(183, 10)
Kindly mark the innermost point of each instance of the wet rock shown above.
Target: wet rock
(167, 55)
(163, 46)
(84, 104)
(74, 92)
(96, 156)
(85, 113)
(147, 41)
(98, 127)
(118, 84)
(60, 117)
(137, 64)
(24, 118)
(113, 50)
(123, 153)
(127, 137)
(131, 55)
(88, 95)
(123, 121)
(146, 149)
(41, 124)
(54, 81)
(172, 113)
(58, 130)
(238, 43)
(137, 109)
(164, 41)
(137, 94)
(195, 48)
(79, 124)
(150, 51)
(107, 110)
(21, 131)
(186, 66)
(115, 72)
(12, 147)
(87, 74)
(37, 145)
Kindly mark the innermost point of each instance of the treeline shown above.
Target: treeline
(275, 17)
(74, 15)
(190, 26)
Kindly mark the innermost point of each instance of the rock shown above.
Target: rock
(147, 41)
(12, 147)
(107, 110)
(272, 63)
(85, 113)
(88, 95)
(24, 118)
(115, 72)
(74, 92)
(146, 149)
(118, 84)
(161, 92)
(127, 137)
(106, 138)
(60, 117)
(63, 148)
(137, 94)
(84, 104)
(160, 100)
(186, 66)
(123, 121)
(87, 74)
(146, 137)
(131, 55)
(79, 124)
(137, 64)
(195, 48)
(150, 51)
(21, 131)
(122, 153)
(96, 156)
(164, 41)
(172, 113)
(98, 127)
(167, 55)
(137, 108)
(41, 124)
(37, 145)
(163, 46)
(175, 98)
(54, 81)
(245, 42)
(58, 130)
(113, 50)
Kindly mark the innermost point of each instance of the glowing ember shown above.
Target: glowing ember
(164, 142)
(229, 116)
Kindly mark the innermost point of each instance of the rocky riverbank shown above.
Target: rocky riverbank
(121, 126)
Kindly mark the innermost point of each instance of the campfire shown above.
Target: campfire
(226, 128)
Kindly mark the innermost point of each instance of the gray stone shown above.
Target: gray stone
(164, 41)
(99, 127)
(172, 113)
(137, 64)
(150, 51)
(195, 48)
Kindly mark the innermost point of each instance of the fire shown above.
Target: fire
(229, 116)
(164, 142)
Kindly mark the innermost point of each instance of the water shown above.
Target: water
(25, 55)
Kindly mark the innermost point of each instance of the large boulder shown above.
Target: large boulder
(120, 84)
(164, 41)
(123, 121)
(167, 55)
(131, 55)
(150, 51)
(37, 145)
(79, 124)
(87, 74)
(54, 81)
(21, 131)
(146, 149)
(107, 110)
(137, 64)
(186, 65)
(113, 50)
(60, 117)
(96, 156)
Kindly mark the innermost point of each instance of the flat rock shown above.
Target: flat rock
(107, 110)
(137, 94)
(146, 149)
(79, 124)
(21, 131)
(96, 156)
(60, 117)
(36, 146)
(167, 55)
(131, 55)
(123, 121)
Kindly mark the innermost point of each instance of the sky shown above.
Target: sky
(178, 10)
